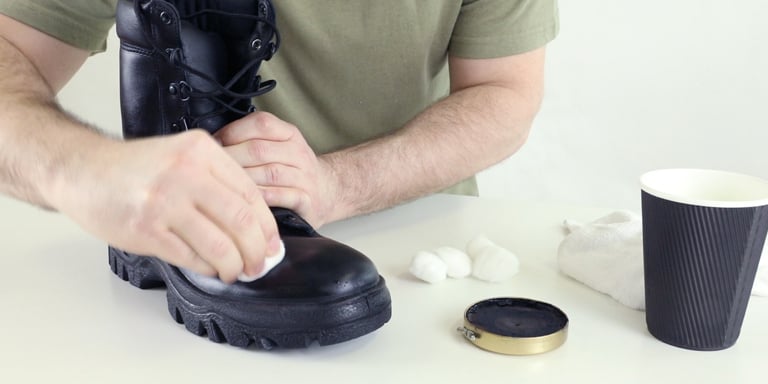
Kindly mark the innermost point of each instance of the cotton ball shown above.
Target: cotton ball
(490, 261)
(429, 267)
(269, 263)
(457, 262)
(495, 264)
(477, 244)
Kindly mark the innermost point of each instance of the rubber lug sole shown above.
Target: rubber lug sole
(148, 272)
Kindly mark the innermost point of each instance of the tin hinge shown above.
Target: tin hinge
(468, 333)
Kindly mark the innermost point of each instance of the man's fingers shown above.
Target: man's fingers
(250, 225)
(276, 175)
(231, 174)
(291, 198)
(257, 125)
(234, 203)
(209, 242)
(180, 254)
(254, 153)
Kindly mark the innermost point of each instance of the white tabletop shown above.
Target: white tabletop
(66, 318)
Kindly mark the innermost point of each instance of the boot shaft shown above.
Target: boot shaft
(191, 64)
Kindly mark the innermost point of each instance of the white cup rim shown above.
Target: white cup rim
(706, 187)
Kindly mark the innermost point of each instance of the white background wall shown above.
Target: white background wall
(632, 86)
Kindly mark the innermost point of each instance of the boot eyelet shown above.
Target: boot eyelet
(185, 91)
(173, 89)
(256, 44)
(166, 18)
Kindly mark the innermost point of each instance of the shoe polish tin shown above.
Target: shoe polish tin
(515, 326)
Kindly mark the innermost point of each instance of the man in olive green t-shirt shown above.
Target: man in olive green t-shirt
(377, 103)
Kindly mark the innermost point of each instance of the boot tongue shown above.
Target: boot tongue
(289, 223)
(229, 27)
(218, 38)
(207, 53)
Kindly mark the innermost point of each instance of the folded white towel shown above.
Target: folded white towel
(760, 287)
(607, 255)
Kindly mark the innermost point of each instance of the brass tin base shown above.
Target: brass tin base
(515, 326)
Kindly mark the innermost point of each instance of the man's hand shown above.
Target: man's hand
(276, 156)
(180, 198)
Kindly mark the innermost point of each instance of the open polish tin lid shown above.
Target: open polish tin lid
(515, 326)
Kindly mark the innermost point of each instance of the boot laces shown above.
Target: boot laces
(174, 57)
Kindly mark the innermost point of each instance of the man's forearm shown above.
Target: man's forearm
(455, 138)
(37, 139)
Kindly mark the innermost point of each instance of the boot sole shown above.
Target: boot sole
(342, 319)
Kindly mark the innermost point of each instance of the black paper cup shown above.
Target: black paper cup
(703, 234)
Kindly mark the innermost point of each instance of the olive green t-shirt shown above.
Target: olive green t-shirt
(81, 23)
(348, 70)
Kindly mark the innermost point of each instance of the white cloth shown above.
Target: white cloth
(607, 255)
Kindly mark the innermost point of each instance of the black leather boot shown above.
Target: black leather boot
(186, 64)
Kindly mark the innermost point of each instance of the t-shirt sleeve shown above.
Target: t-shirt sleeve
(81, 23)
(497, 28)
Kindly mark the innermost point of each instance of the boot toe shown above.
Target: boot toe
(314, 268)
